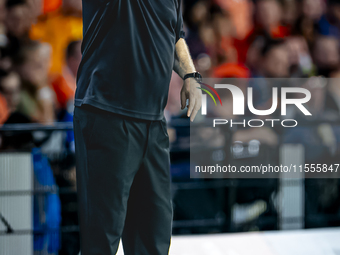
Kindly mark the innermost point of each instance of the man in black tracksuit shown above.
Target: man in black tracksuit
(130, 48)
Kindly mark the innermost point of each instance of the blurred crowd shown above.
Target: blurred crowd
(40, 42)
(265, 39)
(268, 38)
(39, 55)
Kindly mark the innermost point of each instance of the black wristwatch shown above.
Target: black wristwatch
(195, 75)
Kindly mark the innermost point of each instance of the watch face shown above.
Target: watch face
(198, 77)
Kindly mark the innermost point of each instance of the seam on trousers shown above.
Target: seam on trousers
(147, 139)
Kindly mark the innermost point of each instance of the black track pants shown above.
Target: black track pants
(123, 183)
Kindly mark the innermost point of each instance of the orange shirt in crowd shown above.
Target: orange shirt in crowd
(64, 87)
(243, 45)
(231, 70)
(58, 30)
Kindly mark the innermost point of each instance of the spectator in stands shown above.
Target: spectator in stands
(224, 33)
(10, 87)
(299, 57)
(326, 55)
(291, 13)
(269, 58)
(269, 19)
(241, 15)
(37, 99)
(313, 9)
(329, 23)
(307, 23)
(65, 85)
(19, 19)
(275, 60)
(196, 16)
(73, 58)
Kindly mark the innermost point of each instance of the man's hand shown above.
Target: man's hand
(183, 65)
(191, 92)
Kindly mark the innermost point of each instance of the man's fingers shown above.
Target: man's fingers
(183, 100)
(191, 106)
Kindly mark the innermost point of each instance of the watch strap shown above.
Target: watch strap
(195, 75)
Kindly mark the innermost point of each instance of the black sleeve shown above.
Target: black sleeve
(179, 27)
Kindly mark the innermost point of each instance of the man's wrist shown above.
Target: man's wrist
(196, 75)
